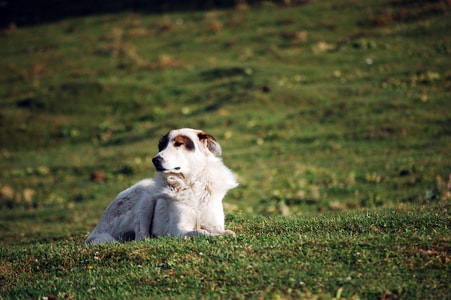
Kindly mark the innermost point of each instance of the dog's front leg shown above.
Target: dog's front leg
(144, 217)
(184, 220)
(212, 219)
(195, 233)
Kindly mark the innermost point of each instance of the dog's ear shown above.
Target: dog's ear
(164, 141)
(210, 142)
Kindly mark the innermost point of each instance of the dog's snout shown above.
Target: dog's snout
(158, 163)
(157, 159)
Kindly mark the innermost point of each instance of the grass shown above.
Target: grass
(361, 254)
(334, 116)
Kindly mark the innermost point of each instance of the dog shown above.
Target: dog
(184, 199)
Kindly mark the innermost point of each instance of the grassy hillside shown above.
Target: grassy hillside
(334, 115)
(383, 254)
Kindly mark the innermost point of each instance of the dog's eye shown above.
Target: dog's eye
(177, 144)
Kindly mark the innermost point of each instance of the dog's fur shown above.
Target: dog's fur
(184, 199)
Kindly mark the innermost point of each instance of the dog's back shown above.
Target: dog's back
(117, 222)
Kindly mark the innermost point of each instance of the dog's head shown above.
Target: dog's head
(183, 151)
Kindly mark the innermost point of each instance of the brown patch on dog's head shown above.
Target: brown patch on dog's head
(184, 141)
(210, 142)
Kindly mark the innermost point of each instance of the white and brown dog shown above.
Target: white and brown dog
(184, 199)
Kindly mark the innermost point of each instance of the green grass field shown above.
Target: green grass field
(335, 116)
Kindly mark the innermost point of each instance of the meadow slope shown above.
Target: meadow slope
(334, 115)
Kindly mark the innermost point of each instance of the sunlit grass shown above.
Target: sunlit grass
(334, 116)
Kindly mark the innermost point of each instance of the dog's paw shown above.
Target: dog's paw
(229, 232)
(195, 233)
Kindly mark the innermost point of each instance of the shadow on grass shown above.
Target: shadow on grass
(29, 12)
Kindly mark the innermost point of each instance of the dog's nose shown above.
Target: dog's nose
(158, 163)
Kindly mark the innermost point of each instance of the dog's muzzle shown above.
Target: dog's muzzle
(158, 163)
